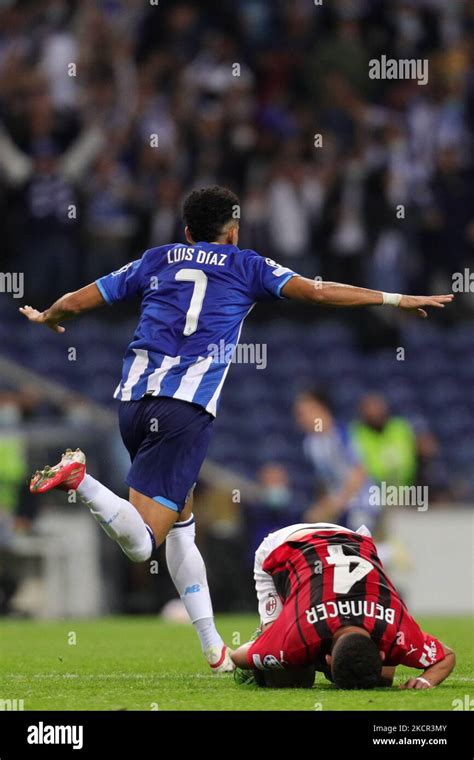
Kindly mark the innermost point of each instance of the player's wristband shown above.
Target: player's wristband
(391, 299)
(425, 680)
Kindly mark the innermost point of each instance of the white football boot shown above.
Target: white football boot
(219, 659)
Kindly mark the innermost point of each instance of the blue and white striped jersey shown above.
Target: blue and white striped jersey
(194, 298)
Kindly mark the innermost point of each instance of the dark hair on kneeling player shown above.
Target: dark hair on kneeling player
(206, 212)
(356, 662)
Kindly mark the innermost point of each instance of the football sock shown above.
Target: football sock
(208, 635)
(118, 518)
(188, 572)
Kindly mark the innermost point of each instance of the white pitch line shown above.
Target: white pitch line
(91, 676)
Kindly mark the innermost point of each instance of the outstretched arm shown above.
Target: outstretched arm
(66, 307)
(435, 674)
(339, 295)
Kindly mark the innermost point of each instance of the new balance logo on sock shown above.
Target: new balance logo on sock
(192, 589)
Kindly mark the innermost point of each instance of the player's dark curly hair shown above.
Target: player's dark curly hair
(356, 662)
(207, 211)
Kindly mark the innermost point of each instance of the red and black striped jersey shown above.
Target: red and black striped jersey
(329, 579)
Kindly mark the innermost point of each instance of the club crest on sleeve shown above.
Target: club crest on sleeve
(271, 605)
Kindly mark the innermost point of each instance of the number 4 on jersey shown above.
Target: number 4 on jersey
(344, 577)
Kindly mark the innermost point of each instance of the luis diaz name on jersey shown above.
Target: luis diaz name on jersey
(175, 255)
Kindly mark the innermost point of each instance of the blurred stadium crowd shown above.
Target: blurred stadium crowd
(111, 111)
(165, 97)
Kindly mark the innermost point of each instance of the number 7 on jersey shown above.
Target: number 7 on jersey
(199, 278)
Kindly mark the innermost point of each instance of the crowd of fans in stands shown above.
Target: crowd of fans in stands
(111, 110)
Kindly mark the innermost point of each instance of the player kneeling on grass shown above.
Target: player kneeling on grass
(327, 605)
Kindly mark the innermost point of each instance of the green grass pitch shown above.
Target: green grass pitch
(146, 664)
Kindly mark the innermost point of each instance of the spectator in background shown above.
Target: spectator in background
(449, 217)
(164, 225)
(293, 200)
(43, 179)
(341, 481)
(275, 506)
(13, 463)
(386, 444)
(432, 471)
(110, 219)
(13, 469)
